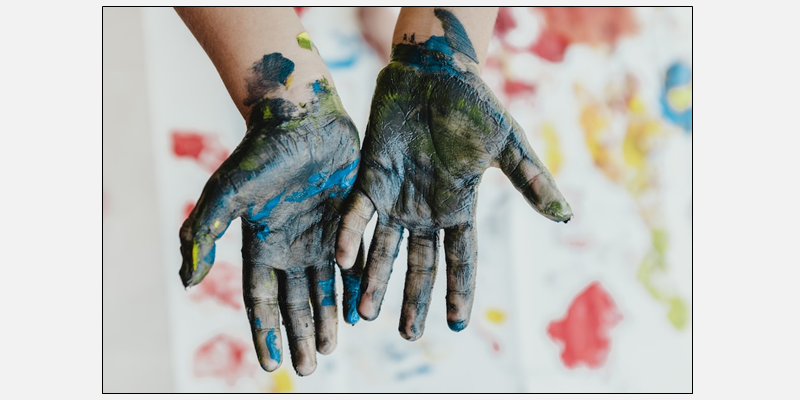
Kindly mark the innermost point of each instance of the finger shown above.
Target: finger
(461, 255)
(351, 279)
(323, 299)
(423, 254)
(206, 223)
(382, 252)
(293, 297)
(355, 217)
(261, 301)
(531, 178)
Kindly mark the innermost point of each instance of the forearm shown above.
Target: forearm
(237, 41)
(420, 23)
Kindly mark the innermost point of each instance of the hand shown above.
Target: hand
(434, 128)
(286, 180)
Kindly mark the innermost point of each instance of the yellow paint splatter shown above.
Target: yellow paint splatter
(495, 315)
(281, 381)
(195, 250)
(553, 156)
(680, 98)
(216, 224)
(289, 80)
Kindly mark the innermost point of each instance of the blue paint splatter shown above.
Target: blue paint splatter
(274, 351)
(338, 178)
(678, 75)
(457, 326)
(421, 370)
(257, 322)
(328, 297)
(352, 289)
(353, 46)
(346, 62)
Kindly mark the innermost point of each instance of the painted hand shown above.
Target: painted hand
(434, 128)
(286, 181)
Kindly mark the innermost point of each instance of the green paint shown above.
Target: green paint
(651, 268)
(304, 40)
(678, 313)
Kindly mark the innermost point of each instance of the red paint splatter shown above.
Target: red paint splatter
(300, 10)
(591, 25)
(223, 284)
(505, 22)
(551, 46)
(584, 331)
(488, 336)
(223, 357)
(187, 209)
(205, 149)
(516, 89)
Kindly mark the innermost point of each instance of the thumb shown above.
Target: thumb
(531, 178)
(207, 222)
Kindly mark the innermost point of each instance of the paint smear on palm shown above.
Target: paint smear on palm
(584, 331)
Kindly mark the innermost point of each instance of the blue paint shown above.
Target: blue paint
(678, 75)
(262, 229)
(257, 322)
(352, 46)
(421, 370)
(328, 296)
(339, 178)
(317, 87)
(267, 210)
(209, 258)
(352, 290)
(274, 351)
(262, 232)
(457, 326)
(346, 62)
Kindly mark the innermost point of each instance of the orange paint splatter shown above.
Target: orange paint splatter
(590, 25)
(223, 357)
(584, 331)
(222, 285)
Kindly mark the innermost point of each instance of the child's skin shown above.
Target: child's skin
(434, 128)
(286, 181)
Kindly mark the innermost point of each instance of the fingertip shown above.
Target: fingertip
(409, 330)
(270, 365)
(558, 211)
(367, 309)
(305, 368)
(458, 325)
(326, 346)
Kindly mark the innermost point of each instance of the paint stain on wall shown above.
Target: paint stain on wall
(595, 26)
(223, 357)
(584, 330)
(223, 285)
(204, 149)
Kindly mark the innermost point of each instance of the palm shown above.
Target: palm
(286, 182)
(434, 129)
